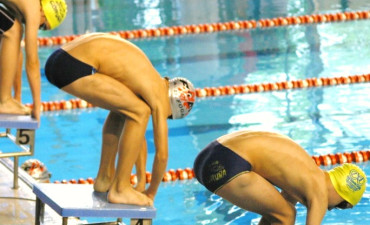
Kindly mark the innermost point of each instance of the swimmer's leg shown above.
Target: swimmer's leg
(112, 130)
(129, 150)
(105, 92)
(9, 62)
(111, 134)
(17, 85)
(252, 192)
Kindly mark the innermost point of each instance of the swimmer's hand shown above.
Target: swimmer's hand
(150, 196)
(140, 187)
(151, 202)
(35, 113)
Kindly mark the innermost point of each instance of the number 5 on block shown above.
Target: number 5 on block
(25, 136)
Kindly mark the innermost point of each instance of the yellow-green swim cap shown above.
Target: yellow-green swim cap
(349, 181)
(55, 11)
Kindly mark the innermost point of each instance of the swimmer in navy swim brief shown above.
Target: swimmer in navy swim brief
(216, 165)
(62, 69)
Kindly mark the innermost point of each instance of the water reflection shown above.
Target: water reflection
(115, 15)
(215, 210)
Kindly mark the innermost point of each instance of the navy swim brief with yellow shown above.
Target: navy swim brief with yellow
(216, 165)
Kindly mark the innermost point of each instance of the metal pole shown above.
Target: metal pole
(15, 178)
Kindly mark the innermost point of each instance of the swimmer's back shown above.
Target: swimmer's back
(116, 57)
(260, 144)
(108, 53)
(121, 60)
(269, 153)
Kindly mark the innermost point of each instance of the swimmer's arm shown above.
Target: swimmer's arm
(141, 168)
(316, 209)
(315, 197)
(32, 17)
(160, 130)
(290, 199)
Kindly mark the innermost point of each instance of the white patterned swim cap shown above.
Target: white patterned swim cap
(182, 97)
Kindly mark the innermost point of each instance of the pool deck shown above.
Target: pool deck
(17, 206)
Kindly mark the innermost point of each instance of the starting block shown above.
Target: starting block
(80, 200)
(25, 137)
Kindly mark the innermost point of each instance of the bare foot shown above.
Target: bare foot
(12, 106)
(102, 184)
(129, 196)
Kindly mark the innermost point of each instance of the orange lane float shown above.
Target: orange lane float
(228, 90)
(340, 158)
(219, 27)
(283, 85)
(63, 105)
(188, 173)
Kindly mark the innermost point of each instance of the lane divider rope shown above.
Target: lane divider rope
(228, 90)
(188, 173)
(283, 85)
(220, 27)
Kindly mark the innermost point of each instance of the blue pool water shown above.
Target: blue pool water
(323, 120)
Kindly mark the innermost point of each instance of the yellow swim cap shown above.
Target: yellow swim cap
(55, 11)
(349, 181)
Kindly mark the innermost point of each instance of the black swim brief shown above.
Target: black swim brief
(6, 18)
(216, 165)
(62, 69)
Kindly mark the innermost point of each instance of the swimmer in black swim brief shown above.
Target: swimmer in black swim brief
(127, 84)
(20, 22)
(6, 19)
(216, 165)
(62, 69)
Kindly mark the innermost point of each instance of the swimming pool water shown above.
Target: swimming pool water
(323, 120)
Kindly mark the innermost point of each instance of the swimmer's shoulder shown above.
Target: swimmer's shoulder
(96, 36)
(96, 39)
(246, 134)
